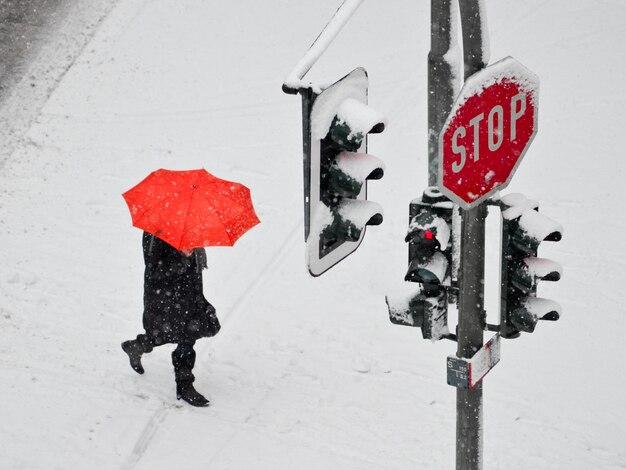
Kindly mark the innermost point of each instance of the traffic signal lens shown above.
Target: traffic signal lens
(424, 275)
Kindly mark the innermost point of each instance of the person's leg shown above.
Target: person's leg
(184, 358)
(135, 348)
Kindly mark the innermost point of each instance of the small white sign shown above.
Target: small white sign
(466, 373)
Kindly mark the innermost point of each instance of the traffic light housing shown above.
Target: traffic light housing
(430, 264)
(427, 310)
(523, 230)
(430, 240)
(336, 169)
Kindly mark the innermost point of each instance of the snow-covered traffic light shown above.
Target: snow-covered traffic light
(430, 239)
(337, 167)
(523, 229)
(430, 262)
(421, 308)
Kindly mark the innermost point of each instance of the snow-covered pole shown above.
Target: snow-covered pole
(293, 82)
(471, 321)
(442, 76)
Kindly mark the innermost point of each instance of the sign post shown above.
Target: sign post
(474, 152)
(469, 403)
(481, 144)
(441, 76)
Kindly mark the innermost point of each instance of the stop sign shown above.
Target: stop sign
(492, 123)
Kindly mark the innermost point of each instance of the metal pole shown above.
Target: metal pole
(472, 271)
(475, 44)
(441, 89)
(293, 82)
(469, 403)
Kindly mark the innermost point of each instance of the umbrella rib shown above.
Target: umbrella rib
(230, 238)
(230, 197)
(157, 183)
(233, 200)
(144, 213)
(193, 193)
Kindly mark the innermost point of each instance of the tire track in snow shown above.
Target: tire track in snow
(275, 259)
(51, 58)
(146, 437)
(160, 415)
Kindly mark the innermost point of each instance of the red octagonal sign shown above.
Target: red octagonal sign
(491, 125)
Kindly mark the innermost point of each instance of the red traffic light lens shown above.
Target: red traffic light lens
(428, 235)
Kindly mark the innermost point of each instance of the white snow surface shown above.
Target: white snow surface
(507, 68)
(541, 267)
(358, 165)
(360, 117)
(400, 299)
(454, 56)
(321, 218)
(484, 26)
(540, 307)
(306, 373)
(325, 107)
(359, 211)
(517, 204)
(538, 225)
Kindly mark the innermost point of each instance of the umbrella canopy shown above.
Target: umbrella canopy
(191, 209)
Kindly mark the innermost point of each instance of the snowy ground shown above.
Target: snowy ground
(306, 373)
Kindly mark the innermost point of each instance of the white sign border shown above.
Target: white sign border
(510, 64)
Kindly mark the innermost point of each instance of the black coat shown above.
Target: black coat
(175, 309)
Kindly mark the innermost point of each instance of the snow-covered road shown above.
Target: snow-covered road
(306, 373)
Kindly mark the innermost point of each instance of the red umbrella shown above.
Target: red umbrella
(191, 209)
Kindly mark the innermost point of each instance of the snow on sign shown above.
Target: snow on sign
(492, 123)
(466, 373)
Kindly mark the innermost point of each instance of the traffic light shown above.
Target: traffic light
(430, 240)
(427, 310)
(336, 169)
(523, 230)
(430, 262)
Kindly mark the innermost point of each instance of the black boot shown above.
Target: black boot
(187, 392)
(135, 348)
(184, 358)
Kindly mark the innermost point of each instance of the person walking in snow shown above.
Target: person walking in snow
(175, 311)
